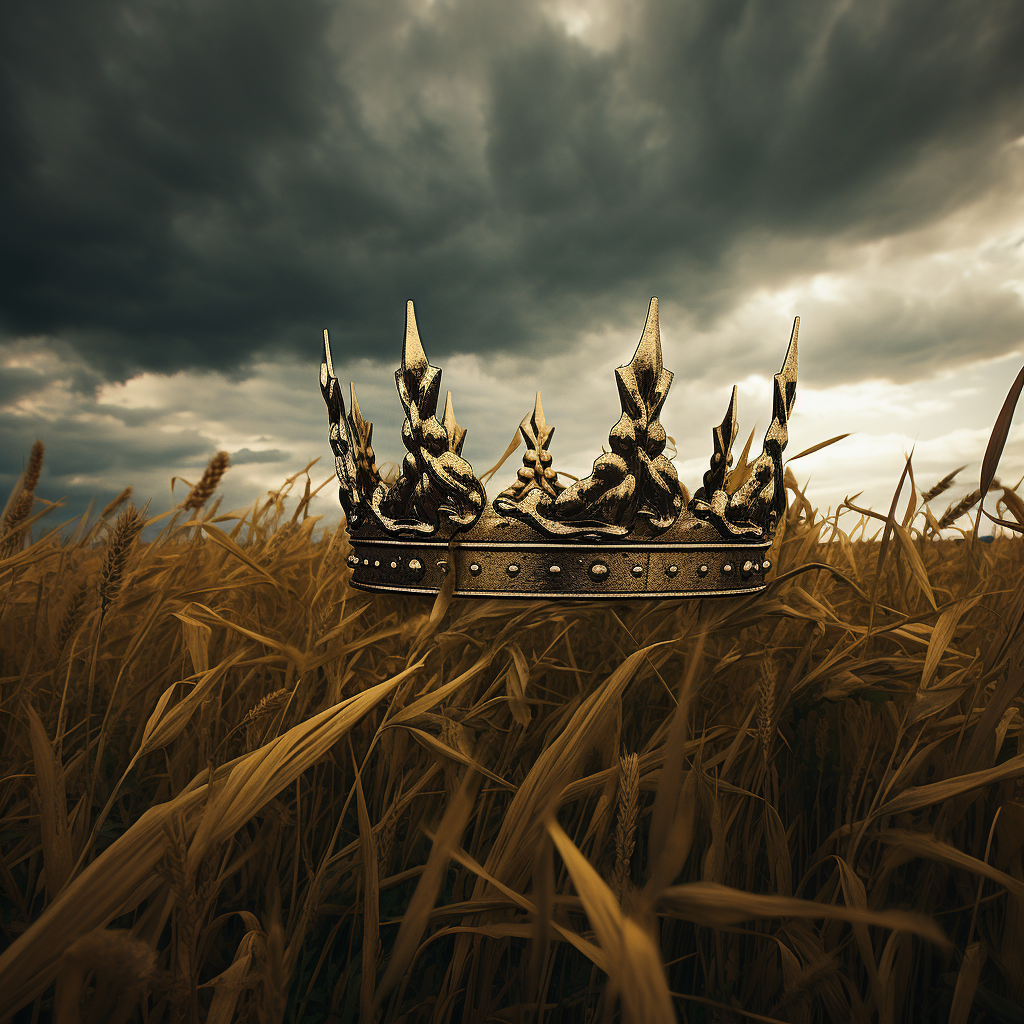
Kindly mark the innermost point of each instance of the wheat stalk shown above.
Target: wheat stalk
(72, 616)
(202, 491)
(626, 818)
(129, 525)
(387, 839)
(125, 962)
(17, 515)
(766, 706)
(116, 503)
(806, 981)
(22, 508)
(943, 485)
(35, 465)
(257, 721)
(954, 512)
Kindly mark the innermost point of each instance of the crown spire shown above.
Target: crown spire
(536, 472)
(456, 434)
(756, 506)
(634, 483)
(413, 356)
(721, 461)
(343, 443)
(648, 350)
(436, 491)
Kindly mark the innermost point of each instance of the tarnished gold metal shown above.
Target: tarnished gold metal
(536, 471)
(620, 532)
(754, 509)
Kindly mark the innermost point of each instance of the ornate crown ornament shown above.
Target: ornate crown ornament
(626, 530)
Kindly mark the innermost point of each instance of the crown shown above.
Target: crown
(629, 529)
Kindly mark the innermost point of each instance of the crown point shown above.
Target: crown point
(413, 356)
(538, 414)
(327, 354)
(789, 367)
(648, 351)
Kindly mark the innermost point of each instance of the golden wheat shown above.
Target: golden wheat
(626, 818)
(203, 490)
(129, 525)
(116, 503)
(942, 486)
(488, 806)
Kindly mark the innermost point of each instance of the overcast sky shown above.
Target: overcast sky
(194, 189)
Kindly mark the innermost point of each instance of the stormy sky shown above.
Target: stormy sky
(193, 190)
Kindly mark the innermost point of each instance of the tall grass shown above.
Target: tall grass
(234, 789)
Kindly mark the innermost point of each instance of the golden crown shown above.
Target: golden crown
(626, 530)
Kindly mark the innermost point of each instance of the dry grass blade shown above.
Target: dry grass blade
(593, 953)
(967, 983)
(196, 636)
(671, 824)
(371, 906)
(221, 538)
(56, 835)
(545, 780)
(1000, 430)
(635, 970)
(934, 849)
(719, 906)
(817, 447)
(518, 677)
(856, 897)
(447, 750)
(916, 562)
(916, 797)
(124, 874)
(235, 979)
(890, 522)
(413, 710)
(417, 914)
(512, 446)
(942, 636)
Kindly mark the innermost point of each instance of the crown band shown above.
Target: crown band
(628, 530)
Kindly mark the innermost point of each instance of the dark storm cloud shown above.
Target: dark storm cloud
(247, 455)
(188, 183)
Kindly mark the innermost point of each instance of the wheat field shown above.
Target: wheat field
(232, 788)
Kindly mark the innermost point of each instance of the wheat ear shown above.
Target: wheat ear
(129, 525)
(943, 485)
(202, 491)
(625, 824)
(766, 707)
(257, 721)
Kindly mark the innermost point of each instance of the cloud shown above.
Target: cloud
(192, 185)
